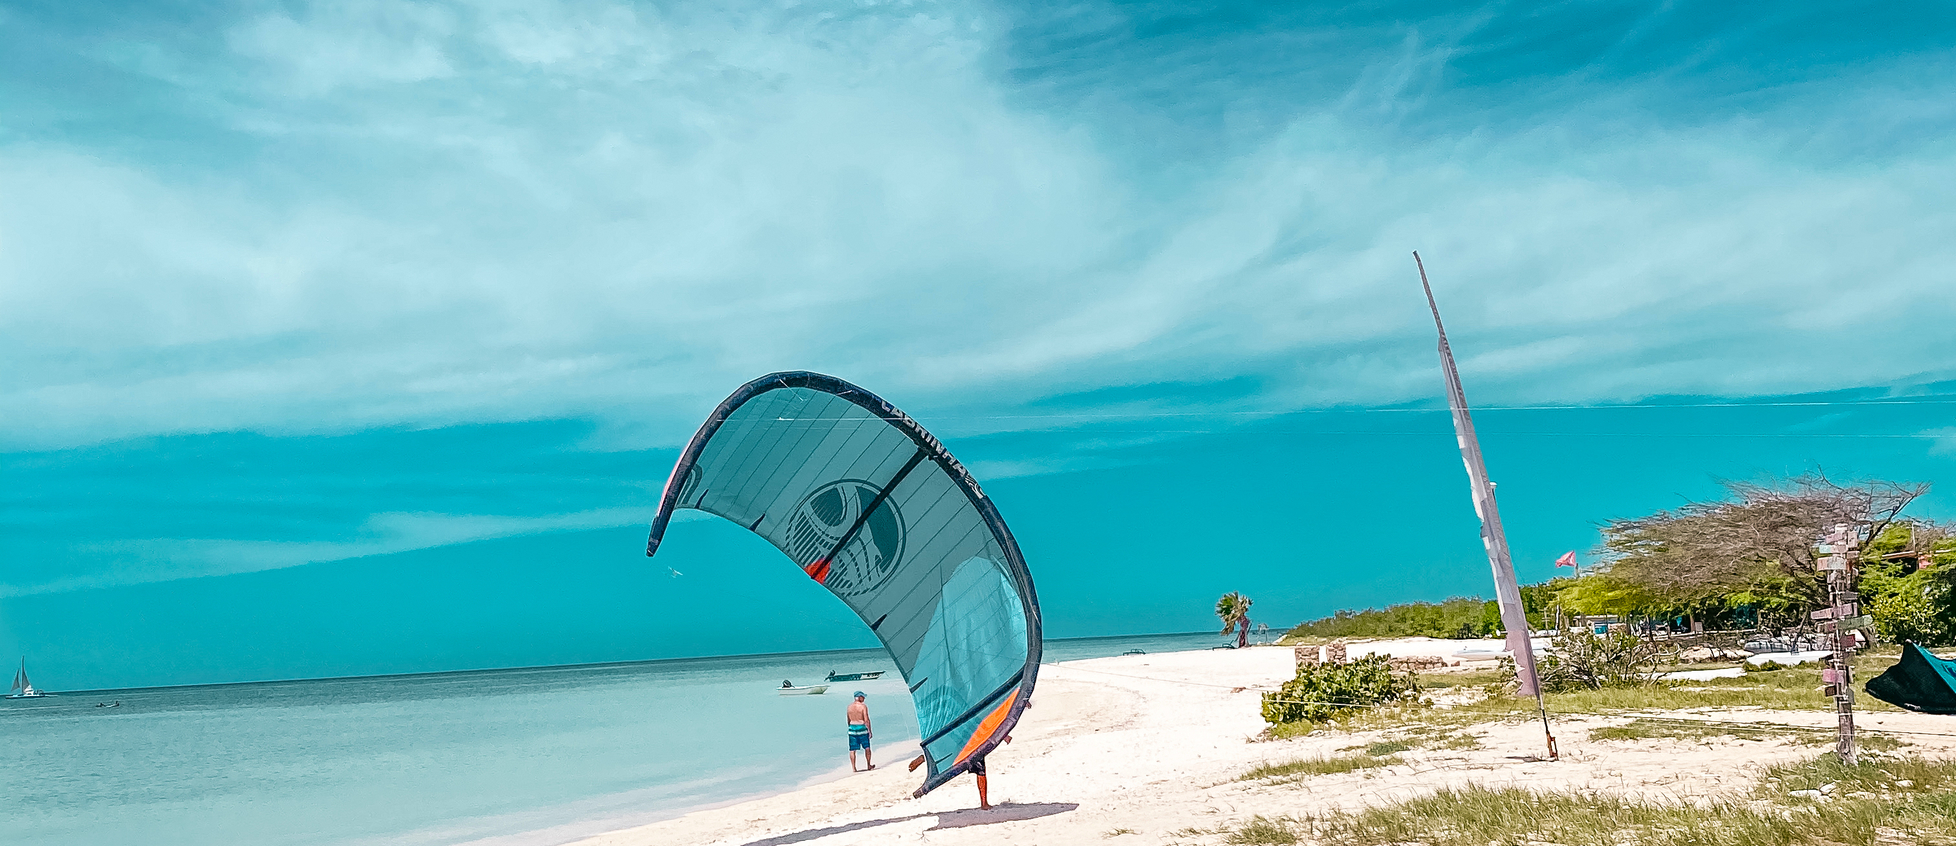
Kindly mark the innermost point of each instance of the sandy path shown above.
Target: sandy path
(1154, 744)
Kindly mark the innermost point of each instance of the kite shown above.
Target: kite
(870, 505)
(1918, 682)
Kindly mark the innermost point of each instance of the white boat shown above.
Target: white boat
(24, 689)
(802, 689)
(1480, 653)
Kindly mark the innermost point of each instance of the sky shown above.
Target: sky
(348, 338)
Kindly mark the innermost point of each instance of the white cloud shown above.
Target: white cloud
(167, 559)
(1945, 440)
(428, 214)
(344, 44)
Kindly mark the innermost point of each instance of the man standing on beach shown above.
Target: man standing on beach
(859, 732)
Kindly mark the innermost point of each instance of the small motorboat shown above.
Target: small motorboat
(789, 688)
(1134, 652)
(842, 677)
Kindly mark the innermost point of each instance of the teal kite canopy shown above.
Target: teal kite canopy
(866, 502)
(1919, 682)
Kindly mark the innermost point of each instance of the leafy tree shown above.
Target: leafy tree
(1234, 609)
(1907, 585)
(1605, 593)
(1756, 547)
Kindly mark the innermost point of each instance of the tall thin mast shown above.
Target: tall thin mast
(1505, 590)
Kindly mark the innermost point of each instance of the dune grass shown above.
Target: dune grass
(1264, 831)
(1306, 767)
(1417, 737)
(1644, 729)
(1466, 678)
(1791, 689)
(1788, 689)
(1879, 775)
(1883, 800)
(1684, 729)
(1886, 799)
(1477, 815)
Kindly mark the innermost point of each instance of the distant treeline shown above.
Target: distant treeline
(1455, 618)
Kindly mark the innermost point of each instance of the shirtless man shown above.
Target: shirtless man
(859, 733)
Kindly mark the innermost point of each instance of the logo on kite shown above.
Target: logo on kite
(825, 516)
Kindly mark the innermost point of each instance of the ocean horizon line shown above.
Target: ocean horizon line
(577, 666)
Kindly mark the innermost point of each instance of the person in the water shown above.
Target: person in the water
(859, 732)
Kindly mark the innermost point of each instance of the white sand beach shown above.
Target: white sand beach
(1154, 744)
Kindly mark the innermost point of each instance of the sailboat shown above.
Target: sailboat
(24, 689)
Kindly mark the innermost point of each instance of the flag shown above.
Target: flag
(1568, 559)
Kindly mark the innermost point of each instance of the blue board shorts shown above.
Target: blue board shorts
(858, 738)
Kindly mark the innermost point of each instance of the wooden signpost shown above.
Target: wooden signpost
(1844, 620)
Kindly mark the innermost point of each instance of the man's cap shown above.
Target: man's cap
(861, 695)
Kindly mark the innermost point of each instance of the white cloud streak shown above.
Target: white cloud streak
(439, 213)
(168, 559)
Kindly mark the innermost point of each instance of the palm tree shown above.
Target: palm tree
(1234, 609)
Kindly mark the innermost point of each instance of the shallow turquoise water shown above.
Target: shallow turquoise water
(521, 756)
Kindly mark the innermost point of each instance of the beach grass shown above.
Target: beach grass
(1479, 815)
(1890, 776)
(1418, 737)
(1882, 800)
(1422, 724)
(1647, 729)
(1791, 689)
(1463, 678)
(1306, 767)
(1265, 831)
(1644, 728)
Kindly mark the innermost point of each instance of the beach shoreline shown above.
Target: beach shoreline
(1149, 745)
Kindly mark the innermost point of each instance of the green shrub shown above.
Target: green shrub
(1584, 660)
(1917, 607)
(1322, 691)
(1455, 618)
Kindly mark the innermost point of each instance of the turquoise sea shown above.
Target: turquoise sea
(506, 757)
